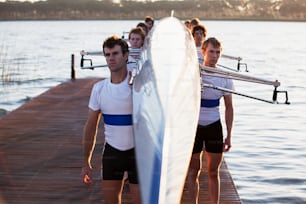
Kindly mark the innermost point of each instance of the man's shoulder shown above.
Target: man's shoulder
(100, 84)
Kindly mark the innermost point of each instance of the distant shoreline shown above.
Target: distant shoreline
(229, 10)
(211, 19)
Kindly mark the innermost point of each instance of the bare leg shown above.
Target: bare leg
(193, 177)
(213, 165)
(112, 191)
(135, 193)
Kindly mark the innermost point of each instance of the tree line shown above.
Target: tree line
(132, 9)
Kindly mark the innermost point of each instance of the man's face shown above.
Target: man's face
(115, 59)
(211, 55)
(198, 37)
(149, 24)
(135, 41)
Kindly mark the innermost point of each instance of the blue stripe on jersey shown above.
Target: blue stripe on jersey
(210, 103)
(119, 120)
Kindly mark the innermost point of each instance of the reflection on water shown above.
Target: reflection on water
(266, 160)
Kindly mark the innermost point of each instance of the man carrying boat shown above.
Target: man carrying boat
(149, 21)
(112, 99)
(136, 40)
(199, 33)
(209, 136)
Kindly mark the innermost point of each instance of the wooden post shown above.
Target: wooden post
(72, 67)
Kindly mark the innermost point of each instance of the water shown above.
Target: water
(267, 160)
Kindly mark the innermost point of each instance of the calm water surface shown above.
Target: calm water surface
(267, 160)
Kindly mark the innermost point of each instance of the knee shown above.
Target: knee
(192, 173)
(195, 163)
(213, 173)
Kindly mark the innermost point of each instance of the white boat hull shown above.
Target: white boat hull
(166, 104)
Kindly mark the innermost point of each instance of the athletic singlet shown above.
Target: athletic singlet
(132, 65)
(209, 112)
(115, 103)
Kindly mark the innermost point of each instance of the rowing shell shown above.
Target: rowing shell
(166, 103)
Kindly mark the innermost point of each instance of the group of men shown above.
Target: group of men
(112, 99)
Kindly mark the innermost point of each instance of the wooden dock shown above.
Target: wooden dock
(41, 152)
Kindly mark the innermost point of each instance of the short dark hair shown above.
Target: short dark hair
(143, 26)
(212, 40)
(113, 40)
(149, 18)
(199, 27)
(195, 21)
(139, 31)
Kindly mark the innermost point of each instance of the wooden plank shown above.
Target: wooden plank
(41, 152)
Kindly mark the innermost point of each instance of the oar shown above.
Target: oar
(237, 78)
(273, 101)
(100, 66)
(132, 51)
(95, 66)
(225, 67)
(231, 57)
(235, 75)
(238, 64)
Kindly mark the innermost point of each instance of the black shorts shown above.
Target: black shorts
(116, 162)
(211, 135)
